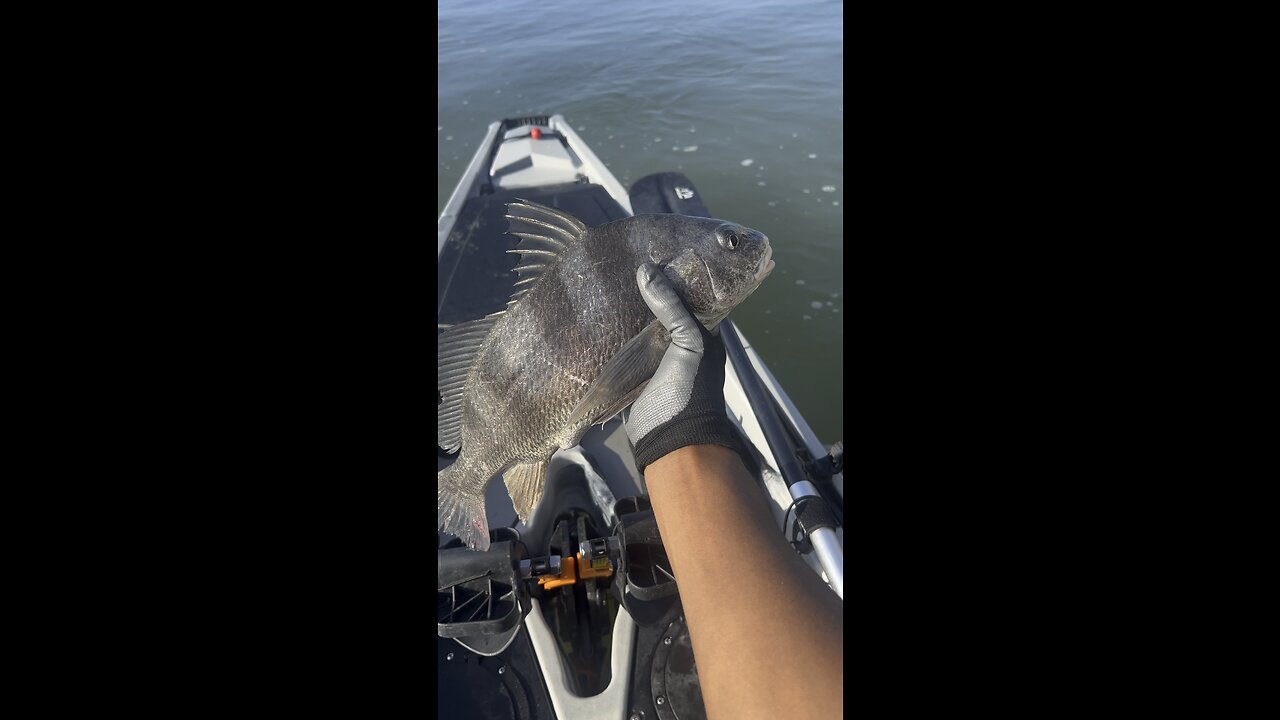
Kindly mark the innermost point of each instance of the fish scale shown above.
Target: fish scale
(574, 346)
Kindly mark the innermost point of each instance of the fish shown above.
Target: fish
(575, 345)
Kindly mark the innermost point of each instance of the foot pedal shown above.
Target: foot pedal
(645, 580)
(479, 599)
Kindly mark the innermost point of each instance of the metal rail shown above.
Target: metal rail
(826, 544)
(466, 188)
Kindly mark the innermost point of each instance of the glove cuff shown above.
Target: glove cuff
(711, 428)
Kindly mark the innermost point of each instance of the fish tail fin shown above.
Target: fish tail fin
(461, 513)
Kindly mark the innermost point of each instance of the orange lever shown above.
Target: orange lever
(569, 573)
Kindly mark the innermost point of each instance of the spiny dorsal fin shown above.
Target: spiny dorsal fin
(455, 350)
(566, 224)
(545, 234)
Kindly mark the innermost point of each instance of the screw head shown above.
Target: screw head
(502, 669)
(666, 641)
(449, 656)
(661, 700)
(636, 716)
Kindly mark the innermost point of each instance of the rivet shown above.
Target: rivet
(449, 656)
(666, 641)
(661, 700)
(502, 669)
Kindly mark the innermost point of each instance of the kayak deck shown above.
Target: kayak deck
(543, 160)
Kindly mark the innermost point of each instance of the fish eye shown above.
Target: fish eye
(730, 240)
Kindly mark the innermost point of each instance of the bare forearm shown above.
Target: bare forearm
(768, 634)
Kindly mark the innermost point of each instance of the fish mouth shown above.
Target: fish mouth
(766, 263)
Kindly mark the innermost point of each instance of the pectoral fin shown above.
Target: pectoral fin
(621, 405)
(624, 377)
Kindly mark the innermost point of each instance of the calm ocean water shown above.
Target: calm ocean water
(744, 98)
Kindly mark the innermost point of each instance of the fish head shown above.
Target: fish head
(713, 264)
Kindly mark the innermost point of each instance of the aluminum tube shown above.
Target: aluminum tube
(826, 544)
(830, 553)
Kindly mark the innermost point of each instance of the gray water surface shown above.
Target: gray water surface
(744, 98)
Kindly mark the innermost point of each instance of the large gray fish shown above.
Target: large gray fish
(575, 346)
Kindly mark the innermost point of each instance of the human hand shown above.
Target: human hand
(684, 402)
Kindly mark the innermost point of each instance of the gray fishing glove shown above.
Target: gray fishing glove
(684, 402)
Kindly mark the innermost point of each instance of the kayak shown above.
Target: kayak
(576, 613)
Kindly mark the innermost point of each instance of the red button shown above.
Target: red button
(535, 133)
